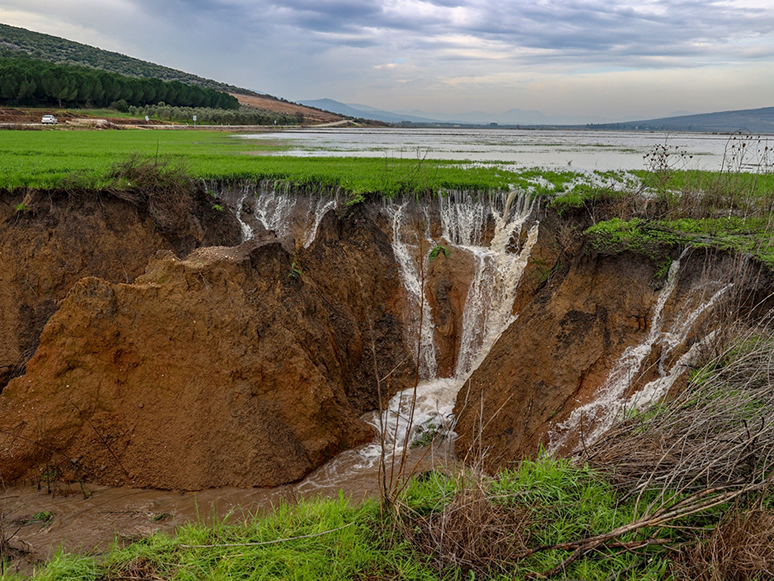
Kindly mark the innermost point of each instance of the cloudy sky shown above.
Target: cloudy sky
(614, 59)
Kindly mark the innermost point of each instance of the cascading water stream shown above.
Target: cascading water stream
(489, 303)
(321, 208)
(597, 416)
(273, 211)
(488, 312)
(247, 231)
(418, 322)
(488, 307)
(285, 214)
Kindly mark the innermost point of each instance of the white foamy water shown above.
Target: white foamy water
(488, 309)
(322, 207)
(411, 249)
(285, 214)
(614, 397)
(247, 230)
(500, 263)
(489, 303)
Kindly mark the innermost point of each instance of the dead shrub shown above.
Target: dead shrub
(473, 532)
(162, 185)
(740, 548)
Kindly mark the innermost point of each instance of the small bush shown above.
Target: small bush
(472, 534)
(741, 548)
(121, 106)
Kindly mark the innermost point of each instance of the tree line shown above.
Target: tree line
(25, 81)
(242, 116)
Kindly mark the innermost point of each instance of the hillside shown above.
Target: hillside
(267, 103)
(746, 120)
(61, 51)
(16, 41)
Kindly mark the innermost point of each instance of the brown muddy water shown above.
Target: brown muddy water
(88, 520)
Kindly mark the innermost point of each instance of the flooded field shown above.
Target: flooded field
(578, 149)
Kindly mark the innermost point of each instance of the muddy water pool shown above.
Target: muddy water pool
(45, 518)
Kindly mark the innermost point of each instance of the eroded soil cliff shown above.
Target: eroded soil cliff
(607, 332)
(50, 240)
(231, 367)
(171, 355)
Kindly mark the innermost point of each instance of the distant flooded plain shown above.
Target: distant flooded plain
(554, 149)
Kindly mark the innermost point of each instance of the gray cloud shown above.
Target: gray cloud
(412, 50)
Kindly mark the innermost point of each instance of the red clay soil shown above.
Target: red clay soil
(268, 104)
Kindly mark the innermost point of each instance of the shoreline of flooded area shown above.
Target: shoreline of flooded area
(586, 150)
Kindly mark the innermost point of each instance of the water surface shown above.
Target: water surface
(560, 148)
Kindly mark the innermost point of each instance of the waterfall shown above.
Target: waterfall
(499, 265)
(597, 416)
(274, 211)
(284, 213)
(321, 208)
(247, 230)
(413, 272)
(488, 228)
(489, 303)
(488, 307)
(463, 219)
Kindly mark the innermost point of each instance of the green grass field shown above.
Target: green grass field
(42, 159)
(52, 158)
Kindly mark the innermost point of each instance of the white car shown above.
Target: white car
(49, 120)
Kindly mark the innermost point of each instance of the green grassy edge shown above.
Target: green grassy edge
(566, 503)
(751, 236)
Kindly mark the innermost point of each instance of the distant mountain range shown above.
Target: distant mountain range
(511, 117)
(746, 120)
(749, 120)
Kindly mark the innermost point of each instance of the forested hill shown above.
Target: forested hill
(57, 50)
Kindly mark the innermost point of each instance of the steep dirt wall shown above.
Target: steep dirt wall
(592, 326)
(250, 365)
(55, 238)
(561, 347)
(241, 366)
